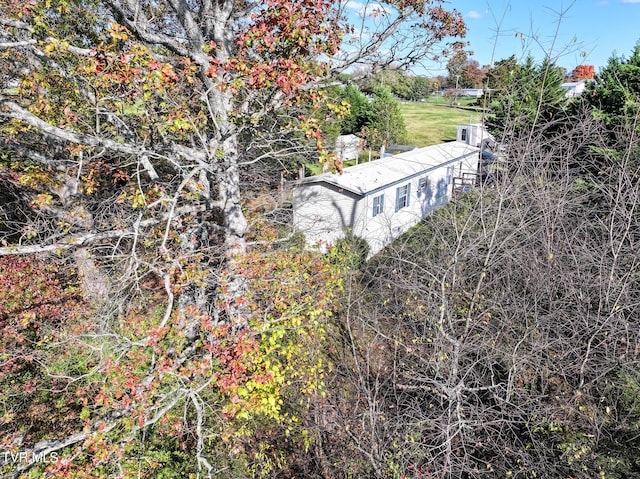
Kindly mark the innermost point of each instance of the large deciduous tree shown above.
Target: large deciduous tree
(473, 75)
(130, 132)
(464, 72)
(455, 67)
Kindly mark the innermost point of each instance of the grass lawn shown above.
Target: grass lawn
(434, 121)
(428, 123)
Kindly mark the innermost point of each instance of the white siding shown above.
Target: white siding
(472, 134)
(574, 88)
(381, 230)
(323, 213)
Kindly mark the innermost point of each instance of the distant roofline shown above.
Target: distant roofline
(574, 83)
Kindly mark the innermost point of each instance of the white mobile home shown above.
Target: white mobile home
(380, 200)
(474, 92)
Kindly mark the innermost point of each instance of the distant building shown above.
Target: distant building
(474, 92)
(458, 92)
(380, 200)
(574, 88)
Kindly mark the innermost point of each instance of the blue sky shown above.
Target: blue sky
(588, 32)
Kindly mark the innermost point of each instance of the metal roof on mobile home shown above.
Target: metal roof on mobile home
(368, 177)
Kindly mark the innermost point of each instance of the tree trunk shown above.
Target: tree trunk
(235, 227)
(94, 283)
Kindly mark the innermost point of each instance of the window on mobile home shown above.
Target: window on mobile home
(402, 196)
(378, 205)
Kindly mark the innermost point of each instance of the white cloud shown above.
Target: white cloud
(369, 9)
(355, 5)
(630, 1)
(473, 14)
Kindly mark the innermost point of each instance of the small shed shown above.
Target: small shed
(473, 134)
(380, 200)
(348, 147)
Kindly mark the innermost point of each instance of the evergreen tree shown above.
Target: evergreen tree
(527, 94)
(615, 94)
(421, 88)
(359, 110)
(500, 76)
(386, 119)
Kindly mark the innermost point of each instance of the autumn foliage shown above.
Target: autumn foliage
(583, 72)
(153, 325)
(40, 307)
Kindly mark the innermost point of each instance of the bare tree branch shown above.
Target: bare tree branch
(83, 239)
(13, 110)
